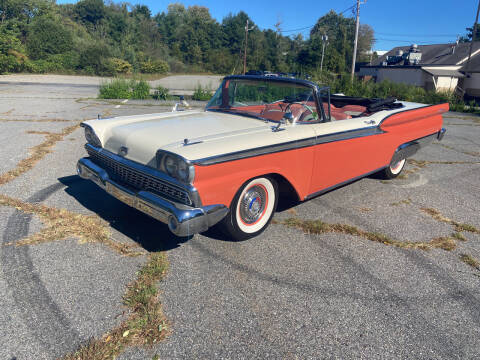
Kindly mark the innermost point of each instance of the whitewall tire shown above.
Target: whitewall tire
(252, 209)
(393, 170)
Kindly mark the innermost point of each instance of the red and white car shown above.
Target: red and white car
(257, 138)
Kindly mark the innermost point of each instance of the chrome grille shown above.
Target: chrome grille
(131, 177)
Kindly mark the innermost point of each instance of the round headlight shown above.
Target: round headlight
(170, 165)
(175, 166)
(91, 137)
(183, 171)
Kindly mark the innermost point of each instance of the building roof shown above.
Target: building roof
(474, 66)
(437, 54)
(443, 72)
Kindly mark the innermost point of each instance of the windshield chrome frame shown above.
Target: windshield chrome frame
(316, 91)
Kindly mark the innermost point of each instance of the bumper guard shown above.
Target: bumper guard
(182, 220)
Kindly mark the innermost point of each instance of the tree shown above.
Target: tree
(90, 11)
(47, 36)
(468, 37)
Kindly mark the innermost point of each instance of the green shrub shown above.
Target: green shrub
(140, 90)
(384, 89)
(201, 94)
(161, 93)
(124, 89)
(115, 89)
(121, 66)
(154, 67)
(46, 36)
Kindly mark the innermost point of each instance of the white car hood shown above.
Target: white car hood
(143, 135)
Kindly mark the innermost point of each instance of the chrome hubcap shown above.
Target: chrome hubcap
(253, 204)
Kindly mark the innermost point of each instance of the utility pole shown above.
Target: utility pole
(357, 26)
(473, 37)
(324, 39)
(245, 50)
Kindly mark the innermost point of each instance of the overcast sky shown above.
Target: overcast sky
(395, 23)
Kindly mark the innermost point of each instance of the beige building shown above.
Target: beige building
(436, 67)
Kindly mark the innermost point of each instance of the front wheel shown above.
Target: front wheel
(393, 170)
(252, 209)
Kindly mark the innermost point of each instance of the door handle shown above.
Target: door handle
(369, 122)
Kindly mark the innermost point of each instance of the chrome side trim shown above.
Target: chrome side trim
(182, 220)
(330, 188)
(255, 152)
(410, 148)
(291, 145)
(148, 171)
(349, 134)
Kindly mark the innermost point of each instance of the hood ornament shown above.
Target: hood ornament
(187, 142)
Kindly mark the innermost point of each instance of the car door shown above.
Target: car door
(344, 150)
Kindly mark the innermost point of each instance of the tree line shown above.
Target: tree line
(93, 37)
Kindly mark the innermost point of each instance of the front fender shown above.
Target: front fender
(218, 183)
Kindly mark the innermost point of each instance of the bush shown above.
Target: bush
(121, 66)
(140, 90)
(161, 93)
(47, 36)
(124, 89)
(201, 94)
(116, 89)
(384, 89)
(154, 67)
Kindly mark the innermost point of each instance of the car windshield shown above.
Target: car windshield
(266, 99)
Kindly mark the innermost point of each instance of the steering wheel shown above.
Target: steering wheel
(269, 107)
(305, 113)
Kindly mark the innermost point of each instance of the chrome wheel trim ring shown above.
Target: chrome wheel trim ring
(396, 168)
(253, 204)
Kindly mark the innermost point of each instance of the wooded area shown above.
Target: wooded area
(91, 37)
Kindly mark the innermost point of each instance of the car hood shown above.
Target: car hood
(143, 135)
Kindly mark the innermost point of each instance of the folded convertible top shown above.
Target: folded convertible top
(372, 105)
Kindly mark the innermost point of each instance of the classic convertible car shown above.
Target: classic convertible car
(257, 139)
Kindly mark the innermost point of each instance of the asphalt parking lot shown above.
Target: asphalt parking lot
(394, 284)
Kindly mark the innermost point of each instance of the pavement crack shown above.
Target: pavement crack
(37, 153)
(61, 224)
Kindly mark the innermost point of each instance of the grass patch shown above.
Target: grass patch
(201, 94)
(124, 89)
(36, 153)
(402, 202)
(459, 236)
(146, 324)
(319, 227)
(161, 93)
(34, 120)
(459, 227)
(61, 224)
(470, 260)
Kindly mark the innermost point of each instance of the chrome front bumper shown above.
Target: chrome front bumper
(182, 220)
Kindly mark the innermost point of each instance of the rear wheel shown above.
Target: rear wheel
(252, 209)
(393, 170)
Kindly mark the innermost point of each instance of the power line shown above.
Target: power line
(311, 26)
(405, 41)
(419, 35)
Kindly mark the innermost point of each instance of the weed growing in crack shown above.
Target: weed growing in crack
(36, 153)
(61, 224)
(459, 227)
(146, 324)
(470, 260)
(319, 227)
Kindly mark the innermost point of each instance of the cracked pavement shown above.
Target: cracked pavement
(285, 294)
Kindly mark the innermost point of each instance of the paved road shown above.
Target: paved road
(285, 294)
(177, 84)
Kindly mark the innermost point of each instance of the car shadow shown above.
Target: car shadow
(149, 233)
